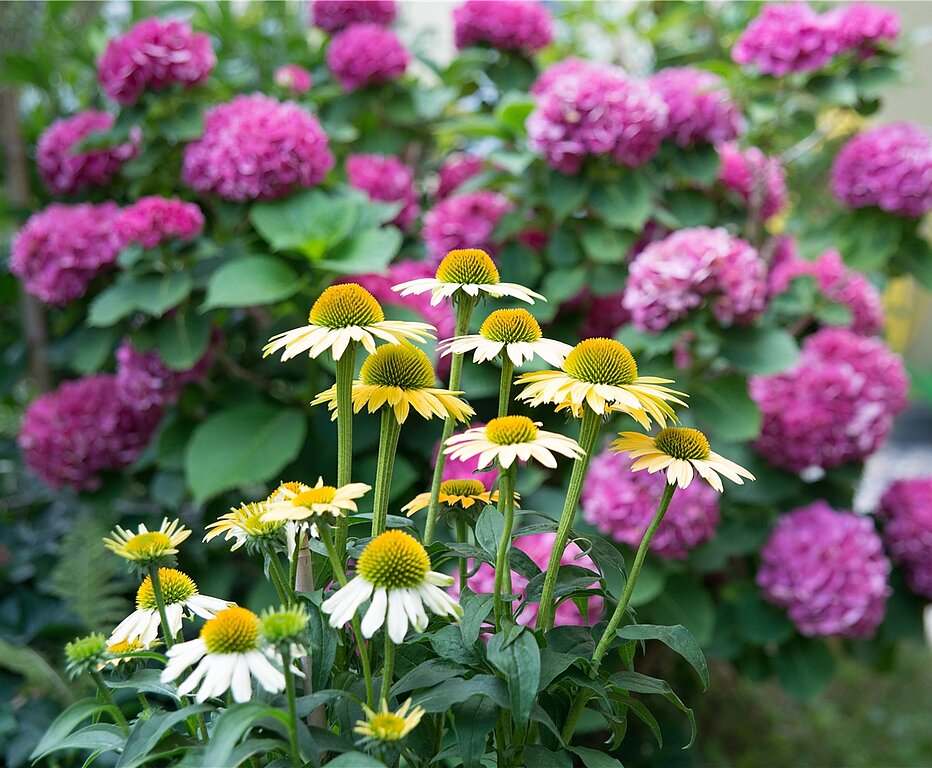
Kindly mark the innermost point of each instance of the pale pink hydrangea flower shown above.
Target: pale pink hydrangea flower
(700, 108)
(759, 180)
(508, 25)
(385, 179)
(906, 508)
(294, 79)
(463, 221)
(366, 54)
(153, 220)
(335, 15)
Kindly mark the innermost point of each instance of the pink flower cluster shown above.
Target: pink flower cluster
(836, 405)
(463, 221)
(759, 180)
(385, 179)
(621, 504)
(509, 25)
(145, 381)
(906, 508)
(889, 166)
(257, 148)
(154, 55)
(862, 25)
(538, 547)
(61, 249)
(700, 108)
(65, 171)
(83, 428)
(153, 220)
(297, 80)
(456, 171)
(334, 15)
(828, 569)
(366, 54)
(673, 276)
(585, 109)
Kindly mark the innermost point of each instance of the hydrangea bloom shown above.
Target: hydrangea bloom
(69, 436)
(154, 55)
(621, 504)
(153, 220)
(386, 179)
(907, 512)
(334, 15)
(293, 78)
(828, 570)
(509, 25)
(257, 148)
(62, 248)
(700, 108)
(144, 381)
(592, 110)
(675, 275)
(538, 547)
(463, 221)
(366, 54)
(455, 172)
(64, 170)
(758, 179)
(889, 166)
(864, 24)
(570, 67)
(836, 405)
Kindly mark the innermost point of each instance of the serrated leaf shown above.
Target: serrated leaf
(251, 281)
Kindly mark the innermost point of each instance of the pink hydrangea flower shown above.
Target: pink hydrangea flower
(153, 220)
(455, 469)
(864, 24)
(455, 172)
(828, 569)
(61, 249)
(297, 80)
(538, 547)
(570, 67)
(153, 55)
(335, 15)
(386, 179)
(906, 508)
(889, 166)
(463, 221)
(622, 503)
(700, 108)
(257, 148)
(788, 37)
(366, 54)
(759, 180)
(837, 404)
(690, 267)
(591, 110)
(509, 25)
(65, 171)
(144, 381)
(71, 435)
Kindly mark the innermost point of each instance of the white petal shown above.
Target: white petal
(269, 676)
(397, 618)
(241, 685)
(375, 616)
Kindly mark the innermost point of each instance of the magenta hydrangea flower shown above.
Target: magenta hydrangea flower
(294, 79)
(621, 504)
(828, 569)
(61, 249)
(906, 508)
(145, 381)
(456, 171)
(538, 547)
(153, 220)
(570, 67)
(456, 469)
(700, 108)
(889, 166)
(65, 171)
(788, 37)
(759, 180)
(864, 24)
(690, 267)
(153, 55)
(335, 15)
(837, 404)
(592, 110)
(257, 148)
(463, 221)
(509, 25)
(386, 179)
(366, 54)
(71, 435)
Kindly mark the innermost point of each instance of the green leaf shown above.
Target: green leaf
(441, 697)
(761, 623)
(566, 194)
(489, 528)
(691, 208)
(553, 664)
(759, 350)
(91, 348)
(368, 251)
(638, 683)
(182, 339)
(101, 737)
(473, 721)
(593, 758)
(605, 245)
(519, 661)
(723, 408)
(147, 681)
(476, 609)
(63, 725)
(626, 204)
(251, 281)
(30, 664)
(804, 667)
(697, 164)
(310, 222)
(245, 444)
(147, 733)
(323, 647)
(870, 238)
(427, 674)
(677, 638)
(153, 294)
(355, 760)
(447, 643)
(513, 110)
(541, 757)
(231, 726)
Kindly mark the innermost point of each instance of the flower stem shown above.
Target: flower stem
(388, 667)
(160, 604)
(462, 536)
(278, 576)
(346, 367)
(108, 698)
(463, 315)
(292, 714)
(506, 505)
(504, 389)
(388, 446)
(589, 429)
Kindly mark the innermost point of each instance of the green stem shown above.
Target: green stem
(463, 315)
(589, 429)
(462, 536)
(346, 367)
(504, 389)
(388, 667)
(292, 714)
(160, 604)
(388, 446)
(277, 574)
(105, 693)
(506, 505)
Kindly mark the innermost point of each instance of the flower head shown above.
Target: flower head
(462, 498)
(907, 530)
(509, 438)
(385, 178)
(321, 502)
(387, 726)
(285, 628)
(394, 571)
(509, 25)
(257, 148)
(511, 332)
(294, 79)
(148, 547)
(456, 171)
(465, 221)
(455, 469)
(153, 220)
(700, 108)
(85, 654)
(335, 15)
(246, 524)
(864, 25)
(366, 54)
(758, 179)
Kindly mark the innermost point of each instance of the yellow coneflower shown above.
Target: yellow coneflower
(145, 546)
(387, 726)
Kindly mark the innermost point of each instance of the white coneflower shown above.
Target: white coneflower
(509, 332)
(247, 524)
(510, 438)
(319, 501)
(145, 546)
